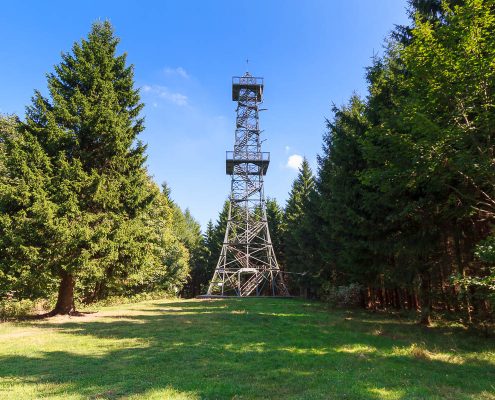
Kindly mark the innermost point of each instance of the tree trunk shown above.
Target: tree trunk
(397, 299)
(380, 297)
(425, 299)
(371, 298)
(405, 299)
(410, 299)
(368, 298)
(65, 300)
(462, 271)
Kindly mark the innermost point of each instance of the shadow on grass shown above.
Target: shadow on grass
(254, 349)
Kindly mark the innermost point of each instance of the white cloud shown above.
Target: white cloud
(163, 92)
(176, 98)
(179, 71)
(294, 161)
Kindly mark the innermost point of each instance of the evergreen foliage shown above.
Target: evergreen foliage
(400, 214)
(299, 230)
(218, 234)
(207, 254)
(77, 205)
(25, 212)
(276, 225)
(405, 187)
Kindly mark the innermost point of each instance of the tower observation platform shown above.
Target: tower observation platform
(249, 83)
(247, 265)
(256, 163)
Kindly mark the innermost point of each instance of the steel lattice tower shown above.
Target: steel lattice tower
(247, 265)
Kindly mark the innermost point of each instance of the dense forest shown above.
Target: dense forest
(400, 212)
(398, 215)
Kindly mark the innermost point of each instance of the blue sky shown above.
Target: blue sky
(311, 53)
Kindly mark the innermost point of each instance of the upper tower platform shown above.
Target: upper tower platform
(248, 82)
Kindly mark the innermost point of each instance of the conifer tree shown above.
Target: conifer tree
(212, 242)
(405, 183)
(89, 129)
(210, 251)
(300, 235)
(219, 231)
(276, 224)
(194, 241)
(25, 212)
(344, 236)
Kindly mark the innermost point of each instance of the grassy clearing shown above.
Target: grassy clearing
(241, 349)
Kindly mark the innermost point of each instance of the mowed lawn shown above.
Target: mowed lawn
(241, 349)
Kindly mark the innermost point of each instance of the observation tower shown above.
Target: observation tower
(247, 265)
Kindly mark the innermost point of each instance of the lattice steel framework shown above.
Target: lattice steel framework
(247, 265)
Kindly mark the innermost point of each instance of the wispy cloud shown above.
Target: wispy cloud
(287, 149)
(179, 71)
(163, 92)
(294, 161)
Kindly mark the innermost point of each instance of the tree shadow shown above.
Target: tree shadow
(248, 349)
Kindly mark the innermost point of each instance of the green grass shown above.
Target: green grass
(241, 349)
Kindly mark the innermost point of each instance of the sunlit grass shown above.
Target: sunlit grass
(388, 394)
(241, 349)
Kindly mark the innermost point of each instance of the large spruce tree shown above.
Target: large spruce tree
(88, 127)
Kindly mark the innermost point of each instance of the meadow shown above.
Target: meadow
(241, 349)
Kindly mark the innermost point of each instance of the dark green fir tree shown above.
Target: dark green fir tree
(299, 235)
(88, 127)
